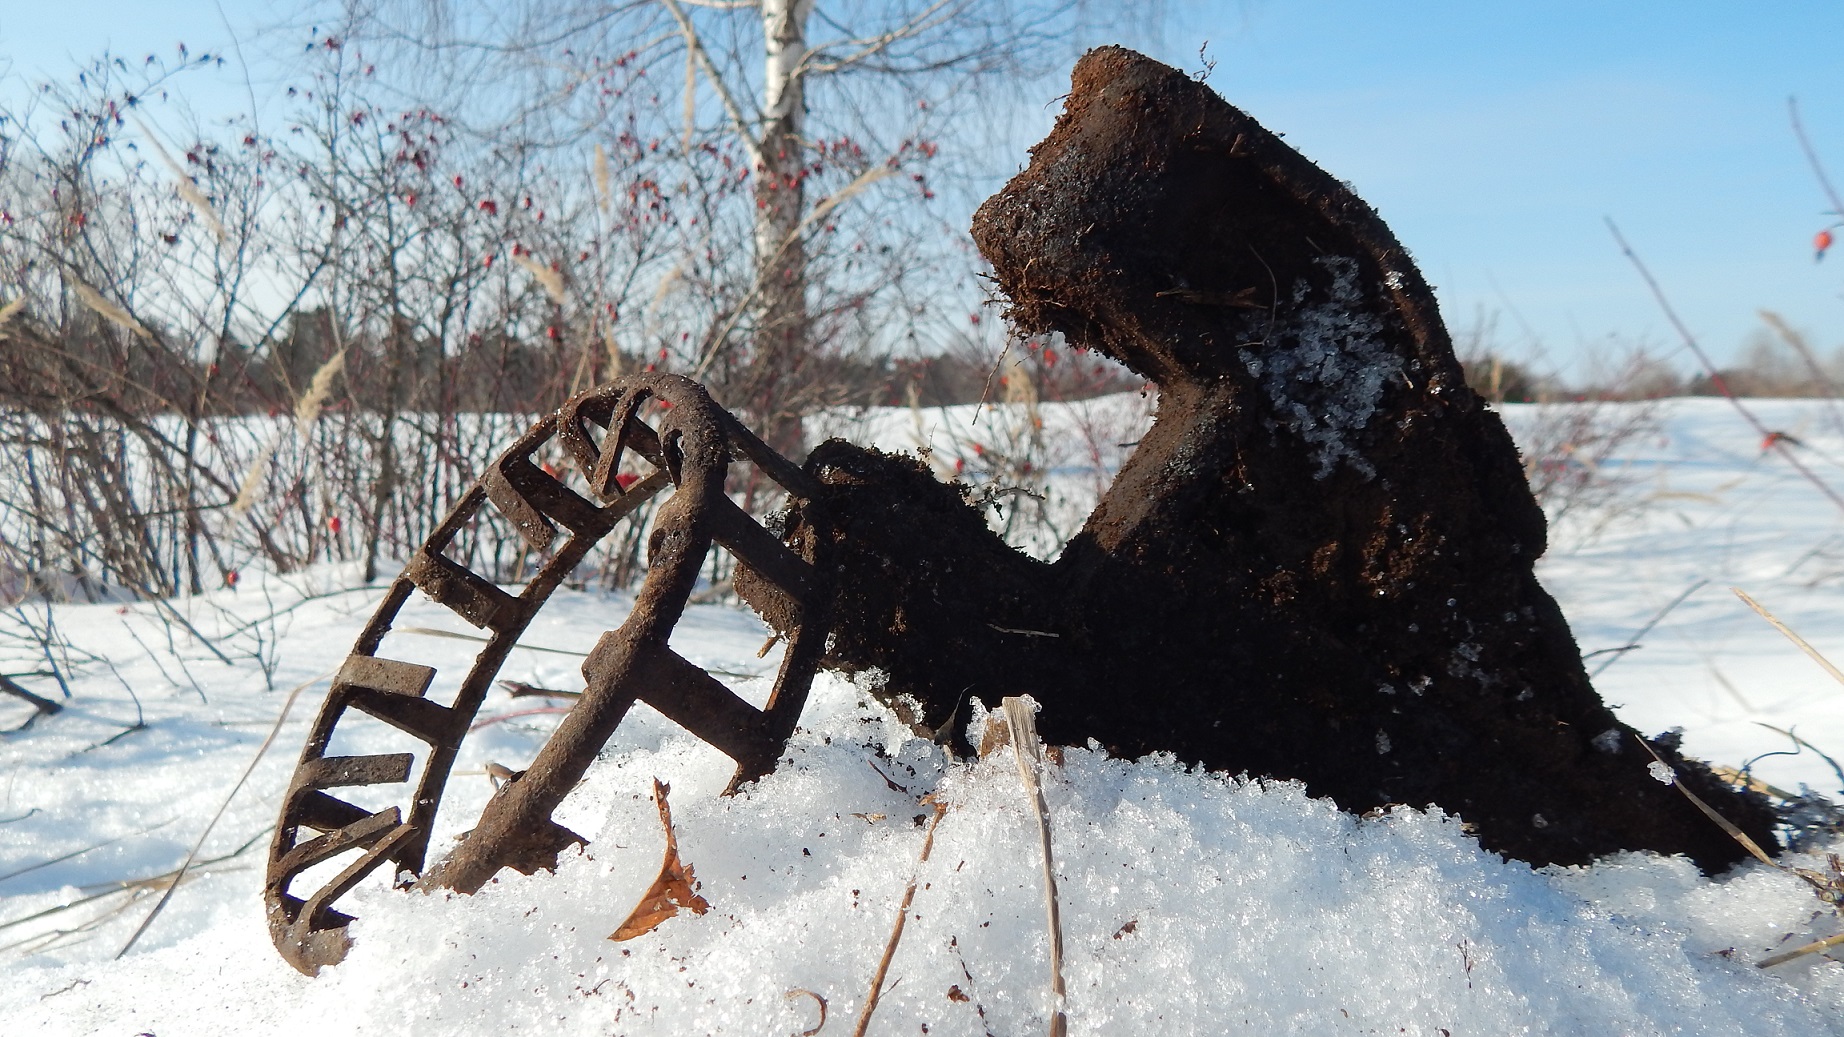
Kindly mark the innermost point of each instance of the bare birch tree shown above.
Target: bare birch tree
(837, 112)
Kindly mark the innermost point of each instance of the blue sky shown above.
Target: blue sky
(1494, 138)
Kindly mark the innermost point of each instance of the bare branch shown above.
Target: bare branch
(743, 124)
(871, 46)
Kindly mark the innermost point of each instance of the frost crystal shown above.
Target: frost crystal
(1324, 371)
(1662, 772)
(1608, 741)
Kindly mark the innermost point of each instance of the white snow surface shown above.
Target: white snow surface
(1191, 902)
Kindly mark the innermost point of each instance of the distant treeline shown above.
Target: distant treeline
(1776, 361)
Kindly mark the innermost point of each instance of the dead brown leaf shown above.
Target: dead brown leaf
(672, 890)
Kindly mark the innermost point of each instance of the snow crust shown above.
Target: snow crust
(1192, 903)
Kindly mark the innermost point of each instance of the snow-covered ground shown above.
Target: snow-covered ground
(1191, 902)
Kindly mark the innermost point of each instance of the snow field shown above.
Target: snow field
(1192, 903)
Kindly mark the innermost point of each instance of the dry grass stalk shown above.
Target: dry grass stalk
(250, 489)
(136, 888)
(1800, 952)
(107, 310)
(604, 182)
(902, 918)
(859, 183)
(1749, 781)
(180, 874)
(1811, 652)
(187, 188)
(544, 275)
(663, 289)
(453, 635)
(673, 889)
(1724, 823)
(319, 388)
(1826, 888)
(307, 412)
(1021, 719)
(690, 114)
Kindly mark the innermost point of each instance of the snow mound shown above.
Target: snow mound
(1191, 903)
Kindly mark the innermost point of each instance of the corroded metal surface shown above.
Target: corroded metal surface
(688, 446)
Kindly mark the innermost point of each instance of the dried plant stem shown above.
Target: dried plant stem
(1811, 652)
(179, 875)
(1818, 882)
(319, 388)
(804, 992)
(1021, 718)
(307, 412)
(1797, 342)
(1722, 822)
(604, 190)
(1800, 952)
(107, 310)
(453, 635)
(549, 279)
(186, 187)
(896, 932)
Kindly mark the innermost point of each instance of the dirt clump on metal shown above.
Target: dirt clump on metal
(1317, 564)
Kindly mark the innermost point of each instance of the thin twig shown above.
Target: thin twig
(1656, 619)
(78, 853)
(1818, 168)
(455, 636)
(986, 390)
(1021, 718)
(500, 718)
(39, 702)
(1773, 442)
(1801, 743)
(896, 933)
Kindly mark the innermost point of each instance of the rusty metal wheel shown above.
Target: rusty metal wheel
(689, 446)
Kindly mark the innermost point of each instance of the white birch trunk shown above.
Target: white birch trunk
(782, 320)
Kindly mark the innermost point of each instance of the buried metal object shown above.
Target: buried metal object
(690, 446)
(1317, 565)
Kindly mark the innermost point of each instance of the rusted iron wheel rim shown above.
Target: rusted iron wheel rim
(690, 446)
